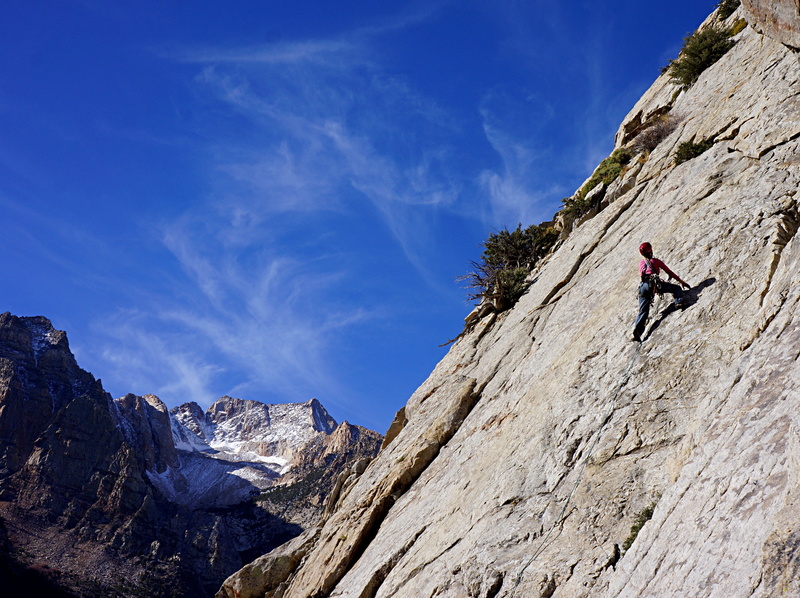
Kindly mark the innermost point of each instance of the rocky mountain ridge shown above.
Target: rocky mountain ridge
(243, 426)
(116, 496)
(228, 453)
(655, 469)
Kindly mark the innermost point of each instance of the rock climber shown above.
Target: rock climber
(649, 268)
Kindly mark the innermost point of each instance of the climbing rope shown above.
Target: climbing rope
(561, 516)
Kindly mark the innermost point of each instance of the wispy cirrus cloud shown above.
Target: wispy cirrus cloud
(151, 363)
(310, 160)
(327, 149)
(256, 326)
(544, 144)
(315, 52)
(522, 189)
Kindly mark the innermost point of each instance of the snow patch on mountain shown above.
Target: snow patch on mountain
(205, 480)
(235, 425)
(42, 336)
(236, 448)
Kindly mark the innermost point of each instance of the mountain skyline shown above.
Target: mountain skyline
(114, 496)
(273, 201)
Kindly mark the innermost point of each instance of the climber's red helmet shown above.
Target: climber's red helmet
(646, 249)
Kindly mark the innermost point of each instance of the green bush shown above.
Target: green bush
(738, 27)
(639, 520)
(689, 149)
(576, 206)
(512, 284)
(727, 7)
(508, 257)
(606, 172)
(700, 50)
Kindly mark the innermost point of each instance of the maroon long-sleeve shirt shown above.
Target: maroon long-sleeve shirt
(657, 266)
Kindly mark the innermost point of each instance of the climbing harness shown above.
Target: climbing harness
(626, 375)
(653, 278)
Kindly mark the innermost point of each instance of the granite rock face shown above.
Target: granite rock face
(779, 19)
(520, 467)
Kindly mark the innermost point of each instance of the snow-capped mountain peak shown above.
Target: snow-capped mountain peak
(235, 447)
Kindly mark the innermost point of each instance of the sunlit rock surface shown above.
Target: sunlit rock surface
(520, 466)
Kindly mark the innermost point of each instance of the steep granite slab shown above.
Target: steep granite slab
(570, 430)
(780, 19)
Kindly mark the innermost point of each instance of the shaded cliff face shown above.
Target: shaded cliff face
(32, 356)
(57, 425)
(319, 473)
(520, 466)
(115, 497)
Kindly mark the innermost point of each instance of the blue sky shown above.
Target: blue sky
(272, 200)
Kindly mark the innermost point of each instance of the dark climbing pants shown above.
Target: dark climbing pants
(646, 294)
